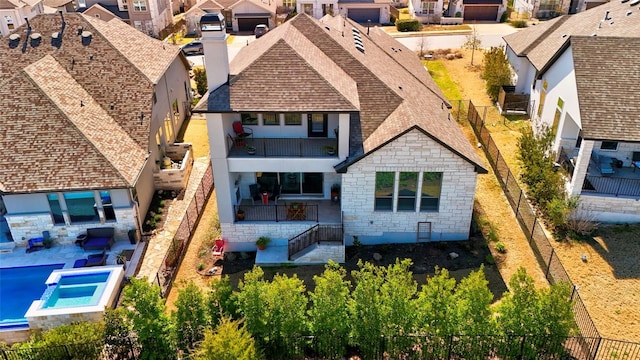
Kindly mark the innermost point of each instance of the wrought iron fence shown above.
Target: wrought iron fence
(277, 213)
(542, 248)
(315, 235)
(180, 242)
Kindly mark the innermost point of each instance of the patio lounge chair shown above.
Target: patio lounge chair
(92, 260)
(35, 244)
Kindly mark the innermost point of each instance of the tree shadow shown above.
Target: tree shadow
(619, 246)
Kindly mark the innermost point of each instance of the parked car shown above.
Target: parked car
(260, 30)
(193, 48)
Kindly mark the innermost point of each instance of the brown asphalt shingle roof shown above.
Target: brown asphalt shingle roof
(50, 140)
(393, 92)
(541, 42)
(607, 75)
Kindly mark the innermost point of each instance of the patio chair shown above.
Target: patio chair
(35, 244)
(218, 248)
(242, 133)
(92, 260)
(255, 193)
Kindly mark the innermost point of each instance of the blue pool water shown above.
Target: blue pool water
(19, 287)
(75, 290)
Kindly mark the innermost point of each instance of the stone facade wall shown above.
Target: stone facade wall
(610, 209)
(413, 152)
(27, 226)
(49, 322)
(242, 236)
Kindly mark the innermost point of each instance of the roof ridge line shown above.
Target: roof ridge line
(545, 34)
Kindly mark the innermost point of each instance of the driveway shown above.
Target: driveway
(238, 42)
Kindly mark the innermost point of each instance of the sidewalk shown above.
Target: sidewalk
(481, 29)
(158, 244)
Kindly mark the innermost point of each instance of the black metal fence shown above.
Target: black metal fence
(315, 235)
(542, 248)
(406, 347)
(167, 272)
(277, 213)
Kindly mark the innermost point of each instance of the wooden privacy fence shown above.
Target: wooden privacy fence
(593, 344)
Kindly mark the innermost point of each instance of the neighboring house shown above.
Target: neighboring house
(351, 139)
(545, 9)
(14, 12)
(579, 71)
(434, 11)
(241, 15)
(361, 11)
(148, 16)
(89, 111)
(55, 6)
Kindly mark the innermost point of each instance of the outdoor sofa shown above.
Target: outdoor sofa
(98, 239)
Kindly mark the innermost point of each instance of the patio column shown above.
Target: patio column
(581, 166)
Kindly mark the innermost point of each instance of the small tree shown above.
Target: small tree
(229, 341)
(119, 335)
(190, 318)
(472, 42)
(437, 305)
(200, 76)
(496, 71)
(365, 309)
(146, 311)
(220, 301)
(329, 321)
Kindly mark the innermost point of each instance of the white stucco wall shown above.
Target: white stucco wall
(17, 16)
(525, 72)
(412, 152)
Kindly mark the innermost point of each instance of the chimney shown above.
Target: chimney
(214, 42)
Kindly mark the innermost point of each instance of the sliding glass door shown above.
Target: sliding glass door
(294, 183)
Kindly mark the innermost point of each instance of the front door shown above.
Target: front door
(317, 125)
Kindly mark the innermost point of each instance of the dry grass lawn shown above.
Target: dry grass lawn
(490, 200)
(609, 282)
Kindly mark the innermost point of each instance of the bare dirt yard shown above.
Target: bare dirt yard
(490, 202)
(609, 282)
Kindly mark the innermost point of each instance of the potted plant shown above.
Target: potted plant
(262, 242)
(251, 150)
(330, 150)
(121, 258)
(335, 192)
(240, 215)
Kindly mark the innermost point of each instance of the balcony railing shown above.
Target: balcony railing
(315, 235)
(566, 163)
(277, 213)
(280, 147)
(611, 185)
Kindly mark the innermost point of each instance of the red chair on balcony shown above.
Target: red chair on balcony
(242, 133)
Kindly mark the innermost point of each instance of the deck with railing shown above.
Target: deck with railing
(315, 235)
(281, 147)
(319, 211)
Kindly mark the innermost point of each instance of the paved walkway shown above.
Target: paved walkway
(159, 243)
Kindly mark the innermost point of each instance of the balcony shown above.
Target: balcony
(281, 147)
(317, 211)
(625, 181)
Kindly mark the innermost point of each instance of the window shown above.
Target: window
(137, 24)
(9, 20)
(429, 7)
(125, 6)
(548, 5)
(81, 206)
(327, 9)
(556, 117)
(291, 4)
(82, 3)
(543, 95)
(307, 9)
(109, 214)
(149, 27)
(384, 191)
(249, 118)
(609, 145)
(56, 210)
(271, 119)
(292, 119)
(139, 5)
(430, 195)
(407, 188)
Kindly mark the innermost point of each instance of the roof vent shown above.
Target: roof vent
(55, 35)
(14, 37)
(624, 1)
(14, 41)
(86, 37)
(594, 34)
(360, 48)
(564, 36)
(606, 15)
(80, 30)
(356, 31)
(35, 36)
(35, 39)
(634, 3)
(629, 12)
(326, 27)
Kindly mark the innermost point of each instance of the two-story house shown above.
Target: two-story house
(14, 12)
(362, 11)
(148, 16)
(242, 15)
(545, 9)
(90, 110)
(578, 71)
(323, 133)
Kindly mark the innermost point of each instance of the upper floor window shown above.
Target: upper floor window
(249, 118)
(609, 145)
(56, 210)
(327, 9)
(82, 3)
(292, 119)
(307, 9)
(271, 119)
(291, 4)
(124, 5)
(9, 20)
(139, 5)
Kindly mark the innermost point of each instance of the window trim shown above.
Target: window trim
(139, 5)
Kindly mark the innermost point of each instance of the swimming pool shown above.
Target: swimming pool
(75, 290)
(19, 287)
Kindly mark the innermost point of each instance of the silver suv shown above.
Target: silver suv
(193, 48)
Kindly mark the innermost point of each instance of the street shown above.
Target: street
(489, 35)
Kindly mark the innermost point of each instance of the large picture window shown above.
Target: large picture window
(407, 186)
(430, 194)
(271, 119)
(384, 191)
(292, 119)
(82, 207)
(249, 118)
(109, 214)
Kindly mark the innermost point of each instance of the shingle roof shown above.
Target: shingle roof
(607, 76)
(71, 112)
(56, 3)
(394, 92)
(9, 4)
(541, 42)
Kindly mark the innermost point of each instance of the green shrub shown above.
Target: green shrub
(496, 71)
(458, 14)
(408, 25)
(489, 259)
(504, 16)
(519, 24)
(500, 247)
(392, 19)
